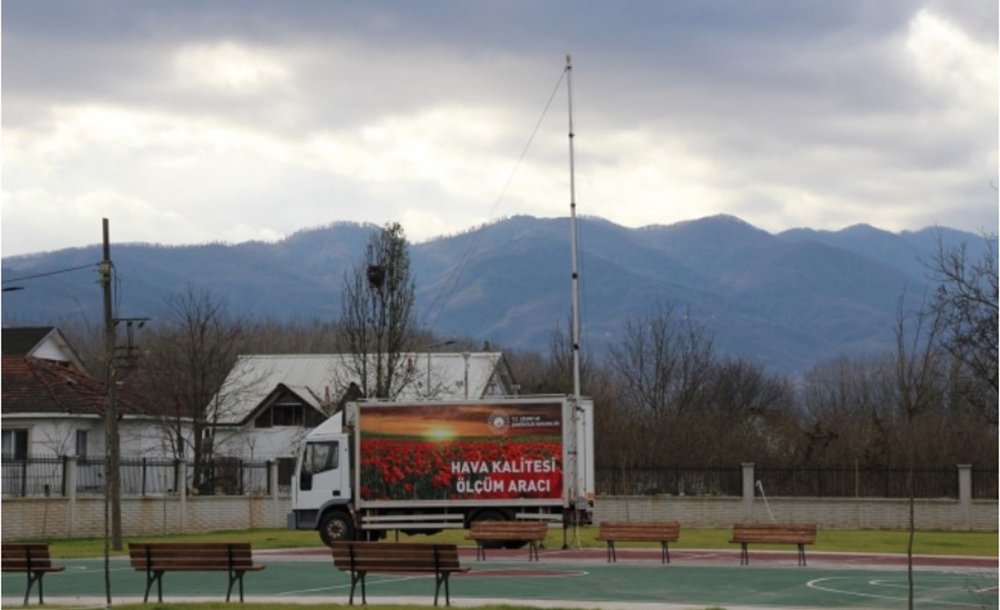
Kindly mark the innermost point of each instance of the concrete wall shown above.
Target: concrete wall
(52, 518)
(964, 513)
(83, 516)
(827, 513)
(55, 518)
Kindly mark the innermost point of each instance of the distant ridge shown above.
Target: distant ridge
(788, 300)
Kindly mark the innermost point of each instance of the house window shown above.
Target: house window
(264, 419)
(81, 444)
(281, 414)
(288, 411)
(287, 415)
(15, 444)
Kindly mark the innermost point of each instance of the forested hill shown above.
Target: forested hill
(787, 300)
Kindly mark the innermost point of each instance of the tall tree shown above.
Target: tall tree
(379, 317)
(966, 304)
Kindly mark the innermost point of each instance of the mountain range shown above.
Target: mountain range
(788, 300)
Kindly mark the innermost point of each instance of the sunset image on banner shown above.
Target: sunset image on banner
(470, 452)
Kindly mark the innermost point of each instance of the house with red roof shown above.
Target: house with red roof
(52, 409)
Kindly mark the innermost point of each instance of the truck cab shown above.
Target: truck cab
(321, 489)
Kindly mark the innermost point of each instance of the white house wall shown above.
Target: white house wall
(151, 439)
(55, 436)
(259, 444)
(50, 350)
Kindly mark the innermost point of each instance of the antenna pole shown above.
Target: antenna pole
(576, 470)
(573, 237)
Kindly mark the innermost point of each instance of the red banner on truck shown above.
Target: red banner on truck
(461, 452)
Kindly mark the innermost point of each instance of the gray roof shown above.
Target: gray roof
(46, 342)
(22, 340)
(321, 379)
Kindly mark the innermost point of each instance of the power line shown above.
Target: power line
(48, 273)
(451, 282)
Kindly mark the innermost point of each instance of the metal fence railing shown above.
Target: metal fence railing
(42, 476)
(233, 477)
(139, 476)
(856, 482)
(673, 480)
(984, 483)
(46, 476)
(795, 481)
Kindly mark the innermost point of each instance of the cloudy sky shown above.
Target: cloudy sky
(188, 121)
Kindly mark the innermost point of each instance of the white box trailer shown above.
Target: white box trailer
(433, 465)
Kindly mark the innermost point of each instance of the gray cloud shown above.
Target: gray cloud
(237, 120)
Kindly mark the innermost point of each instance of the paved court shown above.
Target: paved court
(574, 578)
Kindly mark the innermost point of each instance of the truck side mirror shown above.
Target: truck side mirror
(305, 481)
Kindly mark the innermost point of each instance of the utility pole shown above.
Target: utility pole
(113, 462)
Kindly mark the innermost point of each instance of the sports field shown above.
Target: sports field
(569, 578)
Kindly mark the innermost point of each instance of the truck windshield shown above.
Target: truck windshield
(320, 457)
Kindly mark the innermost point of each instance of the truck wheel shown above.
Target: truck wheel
(336, 526)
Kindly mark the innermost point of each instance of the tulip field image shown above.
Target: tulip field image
(470, 452)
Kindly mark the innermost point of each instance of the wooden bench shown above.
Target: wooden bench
(799, 534)
(633, 531)
(360, 558)
(531, 532)
(156, 558)
(31, 558)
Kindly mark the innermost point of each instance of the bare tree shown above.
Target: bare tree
(661, 371)
(191, 351)
(379, 317)
(554, 375)
(751, 414)
(847, 407)
(918, 389)
(966, 304)
(664, 361)
(273, 336)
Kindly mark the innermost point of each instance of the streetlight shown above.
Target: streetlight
(427, 392)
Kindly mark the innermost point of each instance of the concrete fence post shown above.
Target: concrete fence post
(965, 495)
(182, 479)
(272, 476)
(747, 507)
(71, 476)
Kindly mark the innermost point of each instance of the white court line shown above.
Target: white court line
(72, 571)
(899, 583)
(707, 555)
(344, 586)
(812, 584)
(566, 573)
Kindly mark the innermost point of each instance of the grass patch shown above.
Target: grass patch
(318, 606)
(259, 539)
(979, 544)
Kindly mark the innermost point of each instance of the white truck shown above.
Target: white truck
(420, 467)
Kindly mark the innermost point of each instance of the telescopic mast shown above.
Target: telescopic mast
(575, 331)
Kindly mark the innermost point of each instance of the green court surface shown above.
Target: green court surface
(577, 582)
